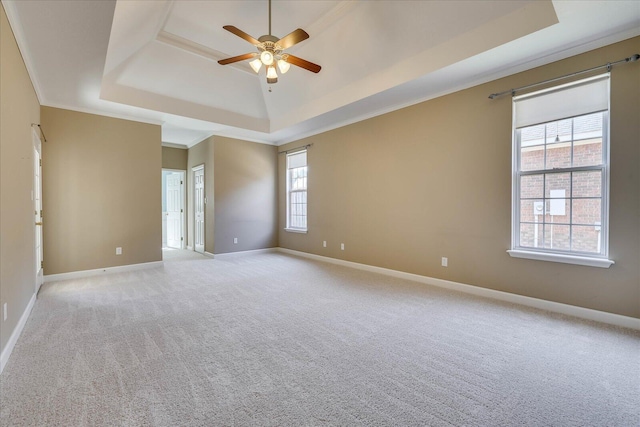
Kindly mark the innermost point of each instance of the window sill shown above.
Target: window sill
(567, 259)
(295, 230)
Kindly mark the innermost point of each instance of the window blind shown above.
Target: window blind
(569, 100)
(297, 160)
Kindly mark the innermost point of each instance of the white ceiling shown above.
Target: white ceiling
(156, 61)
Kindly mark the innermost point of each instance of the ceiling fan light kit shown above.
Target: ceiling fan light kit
(271, 52)
(283, 65)
(256, 64)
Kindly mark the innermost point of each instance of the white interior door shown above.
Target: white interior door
(37, 207)
(174, 210)
(198, 208)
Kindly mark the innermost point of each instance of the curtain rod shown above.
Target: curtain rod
(632, 58)
(41, 131)
(302, 147)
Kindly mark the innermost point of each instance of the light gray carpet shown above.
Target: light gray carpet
(274, 340)
(172, 254)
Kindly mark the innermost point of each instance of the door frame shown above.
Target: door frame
(183, 203)
(204, 206)
(38, 227)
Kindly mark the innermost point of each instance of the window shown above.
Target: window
(561, 173)
(297, 191)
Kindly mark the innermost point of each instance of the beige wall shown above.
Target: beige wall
(433, 180)
(245, 195)
(19, 108)
(174, 158)
(201, 154)
(102, 189)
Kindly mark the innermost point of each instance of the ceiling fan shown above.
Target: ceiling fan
(271, 52)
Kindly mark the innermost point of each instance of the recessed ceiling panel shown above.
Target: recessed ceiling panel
(172, 72)
(202, 21)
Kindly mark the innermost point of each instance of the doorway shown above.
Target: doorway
(37, 208)
(199, 202)
(173, 207)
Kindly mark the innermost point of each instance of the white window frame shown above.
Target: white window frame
(288, 226)
(546, 254)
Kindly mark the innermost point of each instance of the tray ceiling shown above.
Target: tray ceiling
(156, 61)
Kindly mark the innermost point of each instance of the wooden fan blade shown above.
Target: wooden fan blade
(241, 34)
(314, 68)
(237, 58)
(292, 38)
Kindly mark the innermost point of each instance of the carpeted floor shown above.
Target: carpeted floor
(172, 254)
(274, 340)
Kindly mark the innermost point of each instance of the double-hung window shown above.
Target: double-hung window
(297, 191)
(561, 173)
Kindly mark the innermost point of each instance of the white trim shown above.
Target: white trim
(13, 339)
(288, 168)
(18, 33)
(183, 191)
(249, 252)
(98, 271)
(192, 205)
(566, 259)
(174, 145)
(100, 112)
(296, 230)
(209, 254)
(189, 248)
(556, 307)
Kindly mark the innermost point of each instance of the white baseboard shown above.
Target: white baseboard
(209, 254)
(99, 271)
(13, 339)
(571, 310)
(253, 251)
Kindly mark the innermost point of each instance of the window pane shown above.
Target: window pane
(557, 211)
(298, 178)
(532, 158)
(531, 186)
(587, 152)
(587, 184)
(531, 235)
(559, 131)
(557, 237)
(588, 126)
(587, 135)
(298, 209)
(587, 211)
(531, 210)
(532, 135)
(557, 185)
(585, 238)
(558, 155)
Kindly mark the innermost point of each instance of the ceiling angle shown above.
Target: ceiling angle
(270, 52)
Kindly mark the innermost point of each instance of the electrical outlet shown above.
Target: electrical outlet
(445, 261)
(118, 250)
(342, 246)
(4, 311)
(324, 243)
(235, 240)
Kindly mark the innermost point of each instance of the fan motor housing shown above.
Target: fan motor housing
(268, 38)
